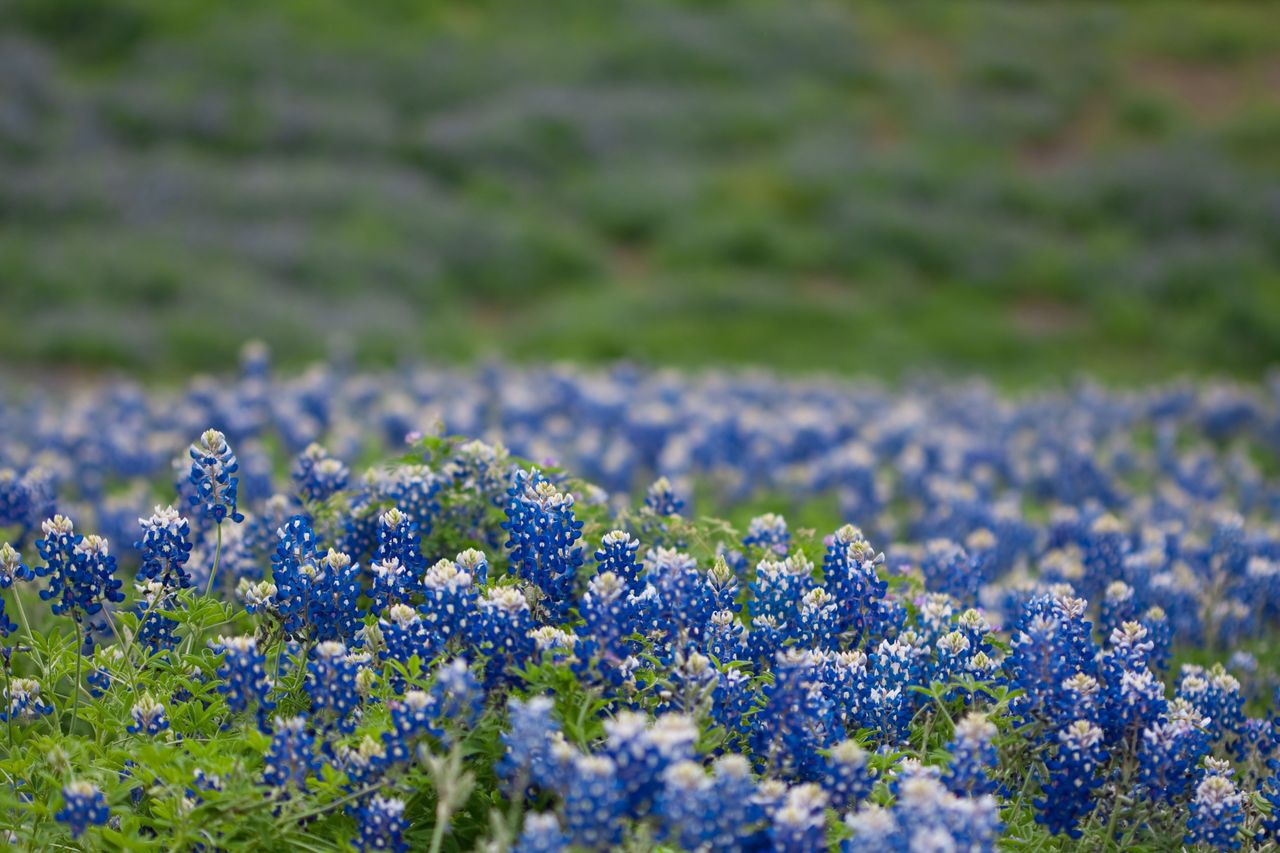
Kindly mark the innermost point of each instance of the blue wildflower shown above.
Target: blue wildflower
(83, 806)
(1073, 776)
(213, 469)
(382, 824)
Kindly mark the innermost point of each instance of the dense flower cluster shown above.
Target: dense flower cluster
(626, 673)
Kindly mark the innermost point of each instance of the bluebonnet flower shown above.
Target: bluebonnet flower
(1217, 814)
(83, 806)
(363, 762)
(11, 569)
(331, 684)
(244, 679)
(925, 816)
(399, 563)
(81, 574)
(779, 587)
(165, 548)
(1171, 749)
(399, 635)
(973, 757)
(849, 574)
(527, 742)
(502, 632)
(641, 753)
(291, 758)
(413, 489)
(661, 498)
(457, 700)
(543, 539)
(22, 701)
(1119, 605)
(213, 469)
(948, 568)
(317, 476)
(1073, 776)
(769, 533)
(595, 804)
(1051, 642)
(148, 717)
(541, 833)
(1216, 694)
(798, 721)
(155, 629)
(719, 812)
(382, 825)
(617, 554)
(889, 702)
(847, 779)
(449, 597)
(411, 717)
(316, 595)
(799, 824)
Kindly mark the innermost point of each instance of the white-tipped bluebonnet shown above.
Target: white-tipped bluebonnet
(449, 598)
(1216, 693)
(149, 717)
(22, 701)
(457, 700)
(541, 833)
(398, 562)
(642, 750)
(331, 685)
(1217, 814)
(291, 758)
(244, 678)
(617, 554)
(769, 533)
(799, 824)
(317, 476)
(973, 757)
(528, 743)
(847, 779)
(1073, 776)
(83, 805)
(1171, 749)
(502, 632)
(661, 498)
(595, 804)
(213, 476)
(543, 539)
(165, 547)
(382, 824)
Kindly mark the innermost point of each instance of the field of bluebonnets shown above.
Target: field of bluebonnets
(329, 622)
(640, 599)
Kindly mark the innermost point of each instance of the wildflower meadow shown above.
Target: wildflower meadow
(545, 609)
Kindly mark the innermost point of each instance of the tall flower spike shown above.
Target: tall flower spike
(213, 469)
(1073, 775)
(543, 539)
(165, 547)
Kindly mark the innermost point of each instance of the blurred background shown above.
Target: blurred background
(1022, 190)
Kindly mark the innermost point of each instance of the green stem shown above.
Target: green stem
(75, 703)
(26, 623)
(217, 553)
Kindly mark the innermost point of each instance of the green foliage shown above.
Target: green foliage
(872, 188)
